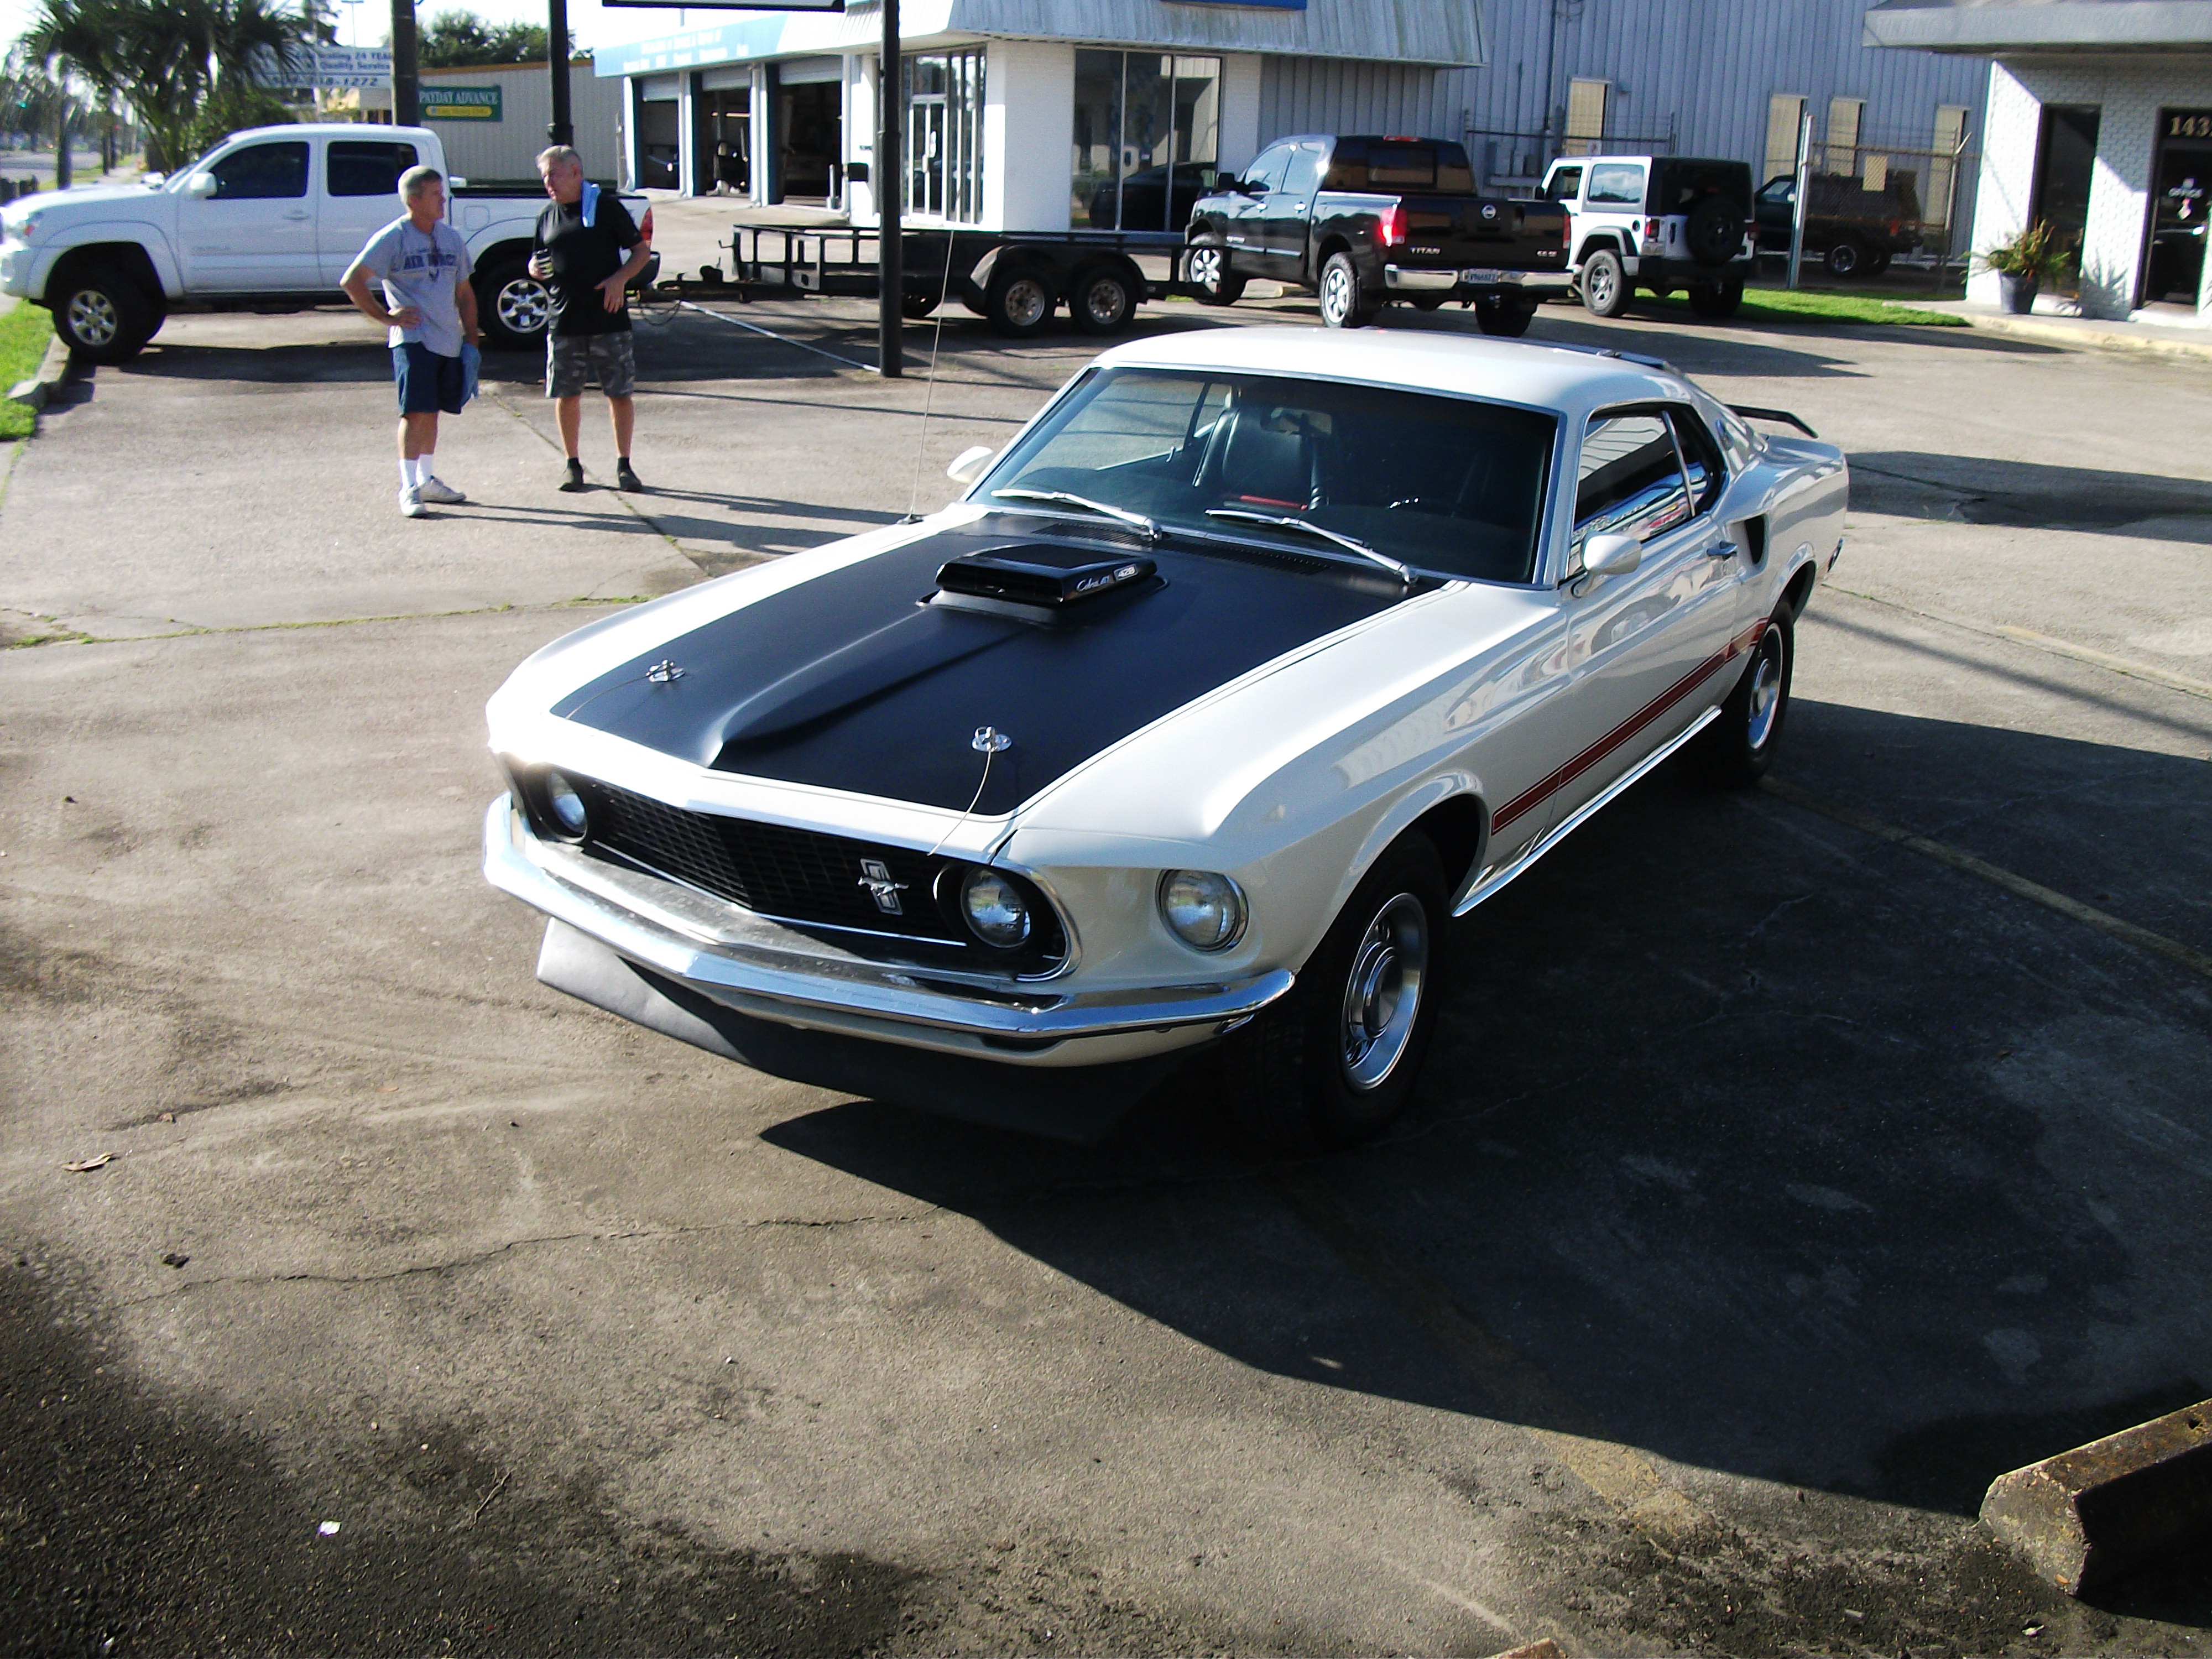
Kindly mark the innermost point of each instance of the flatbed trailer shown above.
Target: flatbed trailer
(1013, 279)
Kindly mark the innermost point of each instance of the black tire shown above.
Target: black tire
(1206, 268)
(1847, 258)
(1427, 301)
(513, 306)
(1100, 300)
(1714, 231)
(1294, 1077)
(1344, 303)
(102, 313)
(1736, 750)
(1019, 302)
(915, 306)
(1718, 299)
(1605, 288)
(1877, 264)
(1506, 321)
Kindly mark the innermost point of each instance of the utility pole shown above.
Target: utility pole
(406, 79)
(891, 180)
(62, 174)
(561, 129)
(1804, 195)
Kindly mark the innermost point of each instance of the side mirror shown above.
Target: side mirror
(155, 180)
(457, 181)
(967, 465)
(200, 185)
(1611, 556)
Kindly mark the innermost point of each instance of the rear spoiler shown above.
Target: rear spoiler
(1781, 415)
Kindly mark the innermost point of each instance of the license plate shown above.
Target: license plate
(1482, 276)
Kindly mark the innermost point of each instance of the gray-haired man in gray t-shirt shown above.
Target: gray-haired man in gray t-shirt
(431, 311)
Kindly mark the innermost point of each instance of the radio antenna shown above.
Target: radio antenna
(929, 395)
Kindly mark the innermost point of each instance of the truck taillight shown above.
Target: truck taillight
(645, 226)
(1393, 225)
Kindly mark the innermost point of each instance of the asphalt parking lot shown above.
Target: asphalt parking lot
(1773, 1185)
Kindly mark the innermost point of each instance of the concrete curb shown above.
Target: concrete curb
(2084, 337)
(38, 390)
(2093, 1514)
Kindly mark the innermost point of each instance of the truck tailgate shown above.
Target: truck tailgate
(1483, 232)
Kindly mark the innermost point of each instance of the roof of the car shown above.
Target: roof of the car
(330, 130)
(1423, 359)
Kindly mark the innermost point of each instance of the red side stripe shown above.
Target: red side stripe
(1557, 779)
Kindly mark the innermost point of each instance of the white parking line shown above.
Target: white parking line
(769, 333)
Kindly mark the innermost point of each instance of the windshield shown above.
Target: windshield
(1443, 484)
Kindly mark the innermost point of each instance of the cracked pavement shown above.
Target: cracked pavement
(1773, 1187)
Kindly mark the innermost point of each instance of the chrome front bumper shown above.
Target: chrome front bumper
(1409, 281)
(772, 972)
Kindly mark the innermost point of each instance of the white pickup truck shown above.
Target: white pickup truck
(267, 221)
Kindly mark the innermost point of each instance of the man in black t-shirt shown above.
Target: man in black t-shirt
(588, 250)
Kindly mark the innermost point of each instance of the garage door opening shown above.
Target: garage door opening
(657, 130)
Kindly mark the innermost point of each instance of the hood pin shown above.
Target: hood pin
(664, 671)
(988, 740)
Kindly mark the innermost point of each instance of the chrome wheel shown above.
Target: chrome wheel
(94, 320)
(1598, 287)
(1382, 993)
(522, 305)
(1026, 302)
(1338, 294)
(1204, 269)
(1766, 690)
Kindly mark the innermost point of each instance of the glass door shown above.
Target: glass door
(2065, 161)
(944, 137)
(2181, 191)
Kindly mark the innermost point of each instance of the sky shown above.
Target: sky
(368, 23)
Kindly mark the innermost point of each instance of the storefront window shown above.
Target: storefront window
(1148, 134)
(2065, 162)
(944, 135)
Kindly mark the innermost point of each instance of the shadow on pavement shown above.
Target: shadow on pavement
(2029, 495)
(1771, 1149)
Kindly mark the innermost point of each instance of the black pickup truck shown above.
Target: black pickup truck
(1363, 221)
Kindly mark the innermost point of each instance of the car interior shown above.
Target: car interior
(1445, 484)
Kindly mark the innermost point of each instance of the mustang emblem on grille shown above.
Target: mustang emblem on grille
(876, 877)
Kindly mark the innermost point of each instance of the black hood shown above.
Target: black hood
(865, 679)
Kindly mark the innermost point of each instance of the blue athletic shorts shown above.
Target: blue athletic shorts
(428, 384)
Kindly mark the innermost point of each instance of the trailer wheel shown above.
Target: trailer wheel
(1206, 268)
(1020, 303)
(1100, 301)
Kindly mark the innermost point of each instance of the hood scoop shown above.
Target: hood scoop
(1041, 583)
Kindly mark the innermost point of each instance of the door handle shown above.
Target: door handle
(298, 214)
(1722, 550)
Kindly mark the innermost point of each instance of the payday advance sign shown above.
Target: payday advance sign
(460, 103)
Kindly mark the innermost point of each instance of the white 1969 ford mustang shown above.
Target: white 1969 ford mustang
(1257, 655)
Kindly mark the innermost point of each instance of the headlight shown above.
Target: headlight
(566, 805)
(994, 910)
(1206, 910)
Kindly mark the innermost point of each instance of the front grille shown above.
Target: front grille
(794, 875)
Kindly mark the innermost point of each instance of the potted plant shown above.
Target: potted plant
(2022, 264)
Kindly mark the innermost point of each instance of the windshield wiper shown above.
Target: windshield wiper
(1402, 571)
(1064, 498)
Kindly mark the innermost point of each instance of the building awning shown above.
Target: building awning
(1429, 33)
(2001, 27)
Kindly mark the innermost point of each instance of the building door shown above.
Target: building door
(810, 135)
(944, 135)
(725, 138)
(2065, 161)
(2180, 192)
(659, 165)
(1586, 102)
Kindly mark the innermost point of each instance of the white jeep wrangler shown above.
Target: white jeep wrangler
(1659, 223)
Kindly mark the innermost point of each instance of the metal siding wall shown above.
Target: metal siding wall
(1335, 95)
(507, 148)
(1707, 67)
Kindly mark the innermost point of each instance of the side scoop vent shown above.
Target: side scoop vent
(1042, 580)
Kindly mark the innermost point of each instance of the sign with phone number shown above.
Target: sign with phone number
(461, 103)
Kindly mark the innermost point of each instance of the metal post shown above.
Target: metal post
(889, 176)
(406, 79)
(561, 129)
(1950, 213)
(1804, 196)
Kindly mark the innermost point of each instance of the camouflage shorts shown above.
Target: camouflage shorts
(572, 359)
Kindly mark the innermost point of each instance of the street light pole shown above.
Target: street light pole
(1804, 194)
(406, 80)
(562, 129)
(890, 181)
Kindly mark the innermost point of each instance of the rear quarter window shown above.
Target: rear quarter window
(1616, 183)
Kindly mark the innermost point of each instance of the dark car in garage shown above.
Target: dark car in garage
(1149, 201)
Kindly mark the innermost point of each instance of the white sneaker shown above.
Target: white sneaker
(438, 491)
(411, 503)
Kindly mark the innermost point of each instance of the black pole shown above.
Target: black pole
(560, 130)
(406, 80)
(890, 177)
(62, 177)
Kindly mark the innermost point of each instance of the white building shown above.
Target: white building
(2099, 123)
(491, 118)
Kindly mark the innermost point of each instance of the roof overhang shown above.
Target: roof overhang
(1995, 28)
